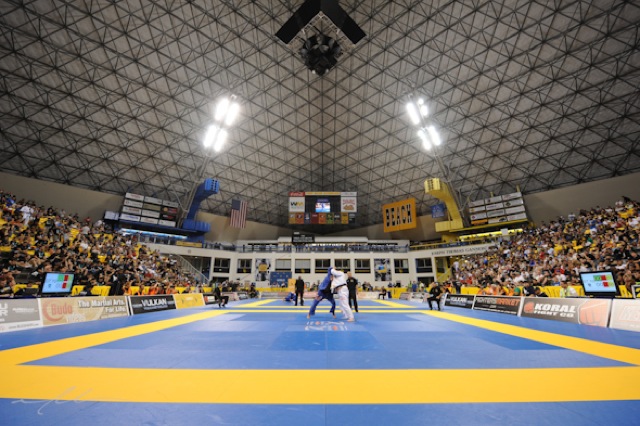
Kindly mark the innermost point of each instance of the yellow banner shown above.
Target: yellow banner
(188, 244)
(399, 216)
(188, 300)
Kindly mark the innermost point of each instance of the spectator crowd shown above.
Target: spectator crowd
(555, 253)
(35, 240)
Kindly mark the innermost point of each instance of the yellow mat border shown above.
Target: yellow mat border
(420, 386)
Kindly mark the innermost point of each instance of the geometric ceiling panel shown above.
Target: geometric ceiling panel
(116, 96)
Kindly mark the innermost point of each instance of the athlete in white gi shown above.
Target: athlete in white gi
(339, 287)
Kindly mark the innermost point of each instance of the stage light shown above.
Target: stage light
(210, 136)
(419, 113)
(232, 113)
(221, 138)
(426, 143)
(413, 113)
(221, 110)
(435, 137)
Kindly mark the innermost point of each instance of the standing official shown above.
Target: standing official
(300, 291)
(352, 285)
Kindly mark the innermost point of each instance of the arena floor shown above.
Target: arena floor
(264, 363)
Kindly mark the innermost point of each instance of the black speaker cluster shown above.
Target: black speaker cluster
(320, 50)
(319, 53)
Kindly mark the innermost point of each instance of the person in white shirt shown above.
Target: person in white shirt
(339, 287)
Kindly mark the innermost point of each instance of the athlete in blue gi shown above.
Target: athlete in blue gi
(324, 292)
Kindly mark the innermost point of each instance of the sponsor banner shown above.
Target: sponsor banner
(170, 204)
(480, 209)
(333, 193)
(209, 299)
(506, 304)
(132, 203)
(348, 194)
(457, 251)
(171, 223)
(296, 204)
(515, 202)
(519, 216)
(153, 200)
(459, 300)
(19, 314)
(65, 310)
(189, 244)
(144, 304)
(498, 219)
(476, 203)
(513, 210)
(110, 215)
(149, 206)
(625, 314)
(169, 210)
(512, 196)
(479, 222)
(131, 210)
(188, 300)
(495, 206)
(496, 213)
(574, 310)
(478, 216)
(348, 204)
(136, 197)
(150, 213)
(399, 216)
(437, 210)
(130, 217)
(149, 220)
(296, 194)
(381, 270)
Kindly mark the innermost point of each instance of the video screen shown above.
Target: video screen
(323, 206)
(599, 283)
(57, 283)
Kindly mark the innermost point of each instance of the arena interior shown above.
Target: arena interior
(182, 182)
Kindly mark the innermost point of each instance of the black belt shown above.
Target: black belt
(338, 286)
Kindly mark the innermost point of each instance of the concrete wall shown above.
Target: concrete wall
(71, 199)
(544, 206)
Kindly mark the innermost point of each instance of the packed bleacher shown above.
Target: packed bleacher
(552, 255)
(35, 240)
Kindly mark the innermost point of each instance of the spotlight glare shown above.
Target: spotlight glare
(426, 143)
(413, 113)
(220, 140)
(424, 110)
(221, 109)
(210, 136)
(435, 137)
(232, 113)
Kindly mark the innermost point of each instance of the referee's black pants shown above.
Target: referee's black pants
(352, 297)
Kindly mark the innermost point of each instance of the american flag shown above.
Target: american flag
(238, 214)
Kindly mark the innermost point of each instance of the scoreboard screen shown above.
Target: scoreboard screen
(322, 208)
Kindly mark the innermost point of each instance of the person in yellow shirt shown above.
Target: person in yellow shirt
(566, 291)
